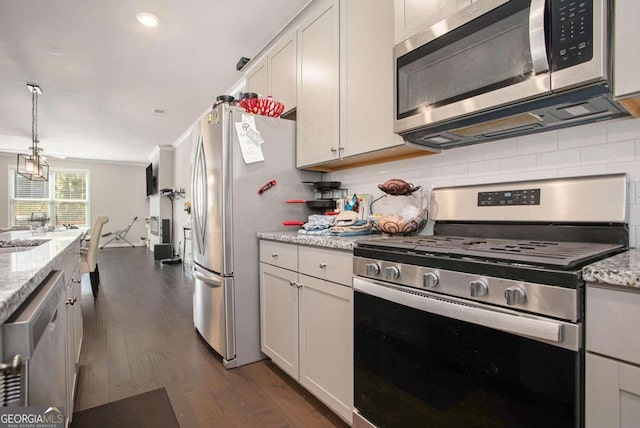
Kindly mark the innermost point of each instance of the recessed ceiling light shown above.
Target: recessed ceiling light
(148, 19)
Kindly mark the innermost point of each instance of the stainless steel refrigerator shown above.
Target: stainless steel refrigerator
(228, 210)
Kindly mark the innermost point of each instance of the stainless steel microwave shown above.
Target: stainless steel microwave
(500, 68)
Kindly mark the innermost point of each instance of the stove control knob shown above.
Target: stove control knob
(478, 288)
(392, 273)
(373, 269)
(430, 280)
(515, 295)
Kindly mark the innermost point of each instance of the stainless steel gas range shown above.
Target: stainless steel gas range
(481, 324)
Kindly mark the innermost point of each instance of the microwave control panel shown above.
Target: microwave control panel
(507, 198)
(572, 33)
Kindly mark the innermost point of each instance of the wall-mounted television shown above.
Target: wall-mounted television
(152, 185)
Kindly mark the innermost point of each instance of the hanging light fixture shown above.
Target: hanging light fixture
(33, 166)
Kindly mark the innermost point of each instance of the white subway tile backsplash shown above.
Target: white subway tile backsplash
(538, 175)
(500, 178)
(499, 149)
(468, 154)
(537, 143)
(635, 192)
(581, 136)
(455, 170)
(465, 181)
(583, 170)
(611, 152)
(560, 158)
(623, 129)
(518, 163)
(442, 159)
(631, 168)
(484, 167)
(599, 148)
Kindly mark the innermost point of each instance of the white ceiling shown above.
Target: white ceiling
(102, 72)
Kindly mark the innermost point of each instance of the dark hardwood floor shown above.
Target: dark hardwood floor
(139, 336)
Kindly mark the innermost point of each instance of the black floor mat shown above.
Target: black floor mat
(149, 409)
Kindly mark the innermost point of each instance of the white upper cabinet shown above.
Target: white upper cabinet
(282, 72)
(412, 16)
(257, 79)
(626, 55)
(318, 130)
(366, 57)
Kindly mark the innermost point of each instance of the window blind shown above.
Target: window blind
(64, 198)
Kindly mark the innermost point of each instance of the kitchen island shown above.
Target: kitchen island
(22, 271)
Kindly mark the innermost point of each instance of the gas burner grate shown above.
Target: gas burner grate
(542, 253)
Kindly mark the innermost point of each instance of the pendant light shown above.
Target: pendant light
(33, 166)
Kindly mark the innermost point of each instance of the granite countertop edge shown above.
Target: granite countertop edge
(336, 242)
(22, 272)
(621, 270)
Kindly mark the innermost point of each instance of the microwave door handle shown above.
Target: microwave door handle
(537, 37)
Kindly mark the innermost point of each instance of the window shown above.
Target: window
(64, 198)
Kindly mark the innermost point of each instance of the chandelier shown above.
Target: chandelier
(33, 166)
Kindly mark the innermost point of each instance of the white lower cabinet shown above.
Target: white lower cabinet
(279, 317)
(612, 384)
(612, 393)
(307, 321)
(326, 343)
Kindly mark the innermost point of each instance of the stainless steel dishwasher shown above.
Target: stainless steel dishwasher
(34, 341)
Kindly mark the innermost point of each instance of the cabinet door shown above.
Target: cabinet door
(282, 73)
(257, 79)
(366, 90)
(77, 317)
(279, 317)
(626, 48)
(318, 113)
(71, 341)
(412, 16)
(612, 396)
(326, 343)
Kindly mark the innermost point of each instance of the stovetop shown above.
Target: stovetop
(557, 255)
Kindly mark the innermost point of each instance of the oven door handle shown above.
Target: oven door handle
(511, 323)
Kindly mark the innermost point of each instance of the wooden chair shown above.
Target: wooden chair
(89, 255)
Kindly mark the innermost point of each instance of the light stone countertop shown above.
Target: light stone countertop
(22, 271)
(337, 242)
(622, 270)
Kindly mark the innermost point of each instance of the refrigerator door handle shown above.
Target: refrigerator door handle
(199, 195)
(206, 277)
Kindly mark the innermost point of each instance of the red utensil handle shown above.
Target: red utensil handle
(296, 201)
(292, 223)
(266, 187)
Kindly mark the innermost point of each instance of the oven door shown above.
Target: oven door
(490, 54)
(422, 360)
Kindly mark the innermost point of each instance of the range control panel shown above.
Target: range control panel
(509, 198)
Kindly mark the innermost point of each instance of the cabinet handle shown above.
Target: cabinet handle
(69, 302)
(77, 281)
(299, 285)
(322, 265)
(274, 255)
(292, 283)
(333, 149)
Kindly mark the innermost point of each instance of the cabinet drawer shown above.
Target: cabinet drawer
(612, 319)
(279, 254)
(331, 265)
